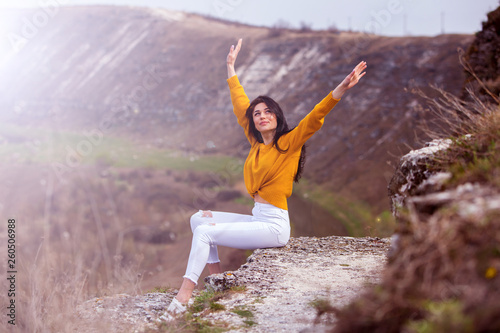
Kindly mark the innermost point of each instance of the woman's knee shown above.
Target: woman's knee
(195, 221)
(199, 218)
(202, 233)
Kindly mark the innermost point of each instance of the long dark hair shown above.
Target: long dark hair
(281, 128)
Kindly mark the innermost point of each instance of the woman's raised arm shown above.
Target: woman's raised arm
(313, 121)
(350, 80)
(231, 58)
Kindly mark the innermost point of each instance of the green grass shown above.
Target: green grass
(238, 289)
(259, 300)
(207, 300)
(245, 313)
(479, 162)
(242, 312)
(250, 323)
(41, 146)
(217, 307)
(188, 323)
(357, 217)
(445, 316)
(191, 321)
(244, 200)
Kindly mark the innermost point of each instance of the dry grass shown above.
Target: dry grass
(445, 260)
(474, 128)
(59, 279)
(443, 275)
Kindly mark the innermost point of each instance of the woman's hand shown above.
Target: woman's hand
(231, 58)
(350, 80)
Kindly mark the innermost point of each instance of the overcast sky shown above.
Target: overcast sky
(386, 17)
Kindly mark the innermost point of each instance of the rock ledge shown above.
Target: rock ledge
(280, 285)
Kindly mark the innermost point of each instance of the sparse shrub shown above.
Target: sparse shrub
(333, 28)
(279, 28)
(305, 27)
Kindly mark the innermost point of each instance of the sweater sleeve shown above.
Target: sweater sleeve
(240, 104)
(312, 122)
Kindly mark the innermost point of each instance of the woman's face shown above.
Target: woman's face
(264, 119)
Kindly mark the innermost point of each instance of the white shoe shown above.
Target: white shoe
(174, 309)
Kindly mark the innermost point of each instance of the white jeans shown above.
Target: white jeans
(268, 226)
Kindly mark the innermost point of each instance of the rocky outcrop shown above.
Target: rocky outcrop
(483, 55)
(413, 174)
(418, 185)
(122, 313)
(281, 283)
(279, 286)
(159, 76)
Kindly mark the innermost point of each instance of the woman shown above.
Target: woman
(274, 161)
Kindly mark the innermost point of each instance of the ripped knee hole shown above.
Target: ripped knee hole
(206, 213)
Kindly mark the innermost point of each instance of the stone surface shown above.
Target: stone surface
(412, 174)
(122, 313)
(280, 285)
(469, 201)
(415, 187)
(282, 282)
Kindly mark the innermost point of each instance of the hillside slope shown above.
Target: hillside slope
(160, 76)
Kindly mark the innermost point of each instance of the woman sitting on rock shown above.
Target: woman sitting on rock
(274, 162)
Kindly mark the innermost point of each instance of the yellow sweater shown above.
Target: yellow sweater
(267, 171)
